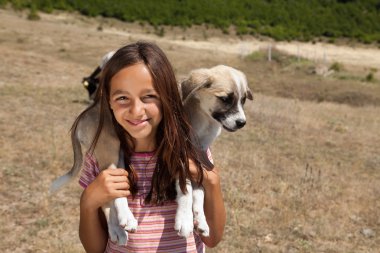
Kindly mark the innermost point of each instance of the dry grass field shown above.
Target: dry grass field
(302, 176)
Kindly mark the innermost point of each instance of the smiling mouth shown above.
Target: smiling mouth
(137, 122)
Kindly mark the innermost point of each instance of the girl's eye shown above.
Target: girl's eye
(150, 96)
(122, 98)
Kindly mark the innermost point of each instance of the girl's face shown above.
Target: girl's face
(136, 105)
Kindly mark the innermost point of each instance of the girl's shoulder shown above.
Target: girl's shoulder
(90, 170)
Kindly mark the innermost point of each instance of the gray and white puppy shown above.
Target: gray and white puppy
(213, 98)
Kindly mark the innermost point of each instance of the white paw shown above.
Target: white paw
(117, 234)
(184, 223)
(201, 226)
(125, 217)
(129, 224)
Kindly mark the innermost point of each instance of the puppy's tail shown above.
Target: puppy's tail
(78, 159)
(63, 180)
(59, 182)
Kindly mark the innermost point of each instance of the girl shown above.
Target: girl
(138, 85)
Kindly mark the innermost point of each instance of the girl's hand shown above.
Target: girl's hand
(210, 178)
(109, 184)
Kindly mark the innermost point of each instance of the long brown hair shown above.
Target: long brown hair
(175, 140)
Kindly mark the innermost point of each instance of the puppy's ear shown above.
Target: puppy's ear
(249, 94)
(197, 80)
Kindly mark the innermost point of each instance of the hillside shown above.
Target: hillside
(303, 20)
(301, 176)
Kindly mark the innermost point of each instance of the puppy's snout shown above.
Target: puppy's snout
(240, 123)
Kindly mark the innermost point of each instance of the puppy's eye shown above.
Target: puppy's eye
(223, 99)
(226, 99)
(243, 100)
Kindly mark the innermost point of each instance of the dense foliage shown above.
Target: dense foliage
(280, 19)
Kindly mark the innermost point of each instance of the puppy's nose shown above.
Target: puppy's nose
(240, 123)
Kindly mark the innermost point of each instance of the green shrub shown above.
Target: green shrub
(159, 31)
(33, 13)
(256, 56)
(3, 3)
(370, 77)
(336, 66)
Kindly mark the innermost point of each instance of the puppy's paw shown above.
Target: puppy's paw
(117, 234)
(184, 224)
(125, 217)
(131, 225)
(201, 226)
(127, 221)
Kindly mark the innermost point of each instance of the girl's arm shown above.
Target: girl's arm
(108, 185)
(214, 207)
(213, 204)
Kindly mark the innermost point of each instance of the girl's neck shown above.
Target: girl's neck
(145, 147)
(144, 150)
(141, 146)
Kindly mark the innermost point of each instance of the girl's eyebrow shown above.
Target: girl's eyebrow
(148, 91)
(120, 92)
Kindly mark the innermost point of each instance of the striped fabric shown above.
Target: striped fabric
(155, 232)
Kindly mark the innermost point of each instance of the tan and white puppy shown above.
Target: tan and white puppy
(213, 98)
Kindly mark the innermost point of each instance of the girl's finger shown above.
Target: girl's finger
(124, 193)
(120, 179)
(117, 172)
(121, 186)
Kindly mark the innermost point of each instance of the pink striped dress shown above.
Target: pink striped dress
(155, 232)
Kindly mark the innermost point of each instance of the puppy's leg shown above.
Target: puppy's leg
(125, 216)
(121, 218)
(184, 216)
(200, 222)
(116, 233)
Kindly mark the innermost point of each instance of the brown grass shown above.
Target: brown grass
(302, 176)
(305, 179)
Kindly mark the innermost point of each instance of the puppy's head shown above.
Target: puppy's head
(221, 92)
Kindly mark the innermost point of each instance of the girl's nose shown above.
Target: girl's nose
(137, 107)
